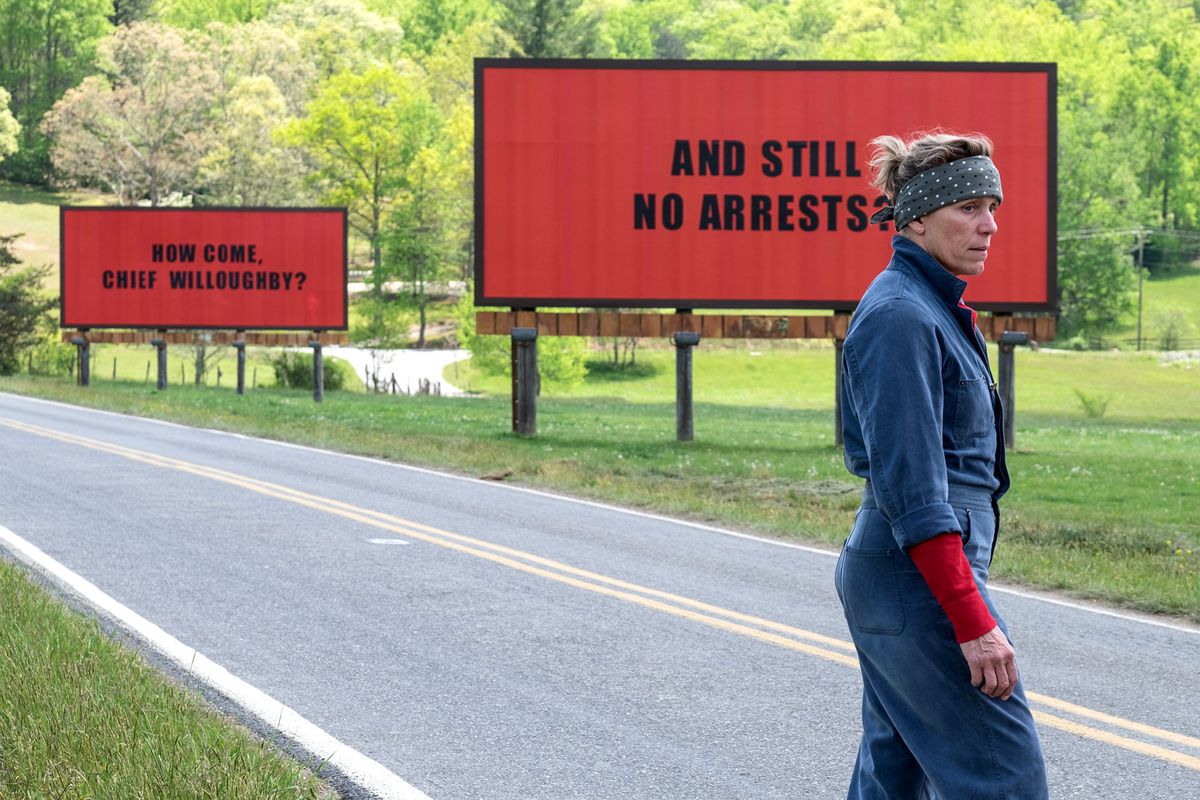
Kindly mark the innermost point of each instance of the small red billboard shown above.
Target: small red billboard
(737, 184)
(234, 268)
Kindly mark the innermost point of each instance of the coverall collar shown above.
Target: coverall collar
(909, 255)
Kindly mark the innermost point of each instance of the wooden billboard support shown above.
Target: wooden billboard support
(726, 326)
(252, 338)
(160, 339)
(718, 326)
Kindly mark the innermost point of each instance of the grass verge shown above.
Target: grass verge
(1101, 508)
(82, 717)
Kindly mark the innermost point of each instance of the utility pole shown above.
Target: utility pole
(1142, 234)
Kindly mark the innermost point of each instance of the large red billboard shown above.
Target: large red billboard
(239, 268)
(737, 184)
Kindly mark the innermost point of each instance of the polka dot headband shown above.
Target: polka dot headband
(944, 185)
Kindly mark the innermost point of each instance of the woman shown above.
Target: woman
(944, 713)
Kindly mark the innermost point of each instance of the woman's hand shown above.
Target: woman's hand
(993, 663)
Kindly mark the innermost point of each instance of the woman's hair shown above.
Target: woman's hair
(895, 162)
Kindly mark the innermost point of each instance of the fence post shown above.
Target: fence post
(525, 343)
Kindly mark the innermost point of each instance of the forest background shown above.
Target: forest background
(369, 104)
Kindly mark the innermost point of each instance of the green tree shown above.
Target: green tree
(140, 129)
(551, 28)
(245, 165)
(126, 12)
(10, 129)
(258, 49)
(23, 307)
(561, 359)
(363, 131)
(196, 14)
(46, 47)
(337, 36)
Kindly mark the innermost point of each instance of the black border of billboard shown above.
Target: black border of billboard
(62, 262)
(1050, 69)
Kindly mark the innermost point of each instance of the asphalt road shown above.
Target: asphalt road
(520, 645)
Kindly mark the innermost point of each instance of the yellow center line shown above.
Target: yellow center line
(621, 590)
(1088, 732)
(1100, 716)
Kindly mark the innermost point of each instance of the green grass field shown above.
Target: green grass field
(33, 212)
(82, 717)
(1176, 291)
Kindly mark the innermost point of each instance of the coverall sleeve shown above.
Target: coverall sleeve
(893, 367)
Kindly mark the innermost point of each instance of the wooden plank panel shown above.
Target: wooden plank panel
(761, 327)
(816, 327)
(651, 325)
(526, 319)
(840, 323)
(589, 324)
(627, 324)
(609, 324)
(568, 324)
(504, 323)
(547, 324)
(1043, 329)
(485, 323)
(711, 326)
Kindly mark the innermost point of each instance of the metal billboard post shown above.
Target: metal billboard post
(1008, 393)
(83, 352)
(160, 344)
(525, 343)
(318, 368)
(684, 341)
(239, 344)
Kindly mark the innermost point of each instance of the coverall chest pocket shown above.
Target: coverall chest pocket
(973, 417)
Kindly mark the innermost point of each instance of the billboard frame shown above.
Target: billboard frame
(62, 298)
(1049, 69)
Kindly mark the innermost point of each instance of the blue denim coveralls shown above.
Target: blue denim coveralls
(922, 424)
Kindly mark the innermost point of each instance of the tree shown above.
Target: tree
(140, 129)
(23, 308)
(245, 165)
(416, 241)
(426, 23)
(47, 46)
(126, 12)
(561, 359)
(551, 28)
(10, 129)
(337, 36)
(196, 14)
(363, 131)
(258, 49)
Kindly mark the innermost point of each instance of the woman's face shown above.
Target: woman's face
(958, 236)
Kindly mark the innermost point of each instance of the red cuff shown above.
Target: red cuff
(944, 566)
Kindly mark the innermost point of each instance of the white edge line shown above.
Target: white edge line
(999, 587)
(364, 771)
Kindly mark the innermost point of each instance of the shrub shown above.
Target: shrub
(1094, 405)
(51, 355)
(295, 370)
(23, 307)
(1170, 325)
